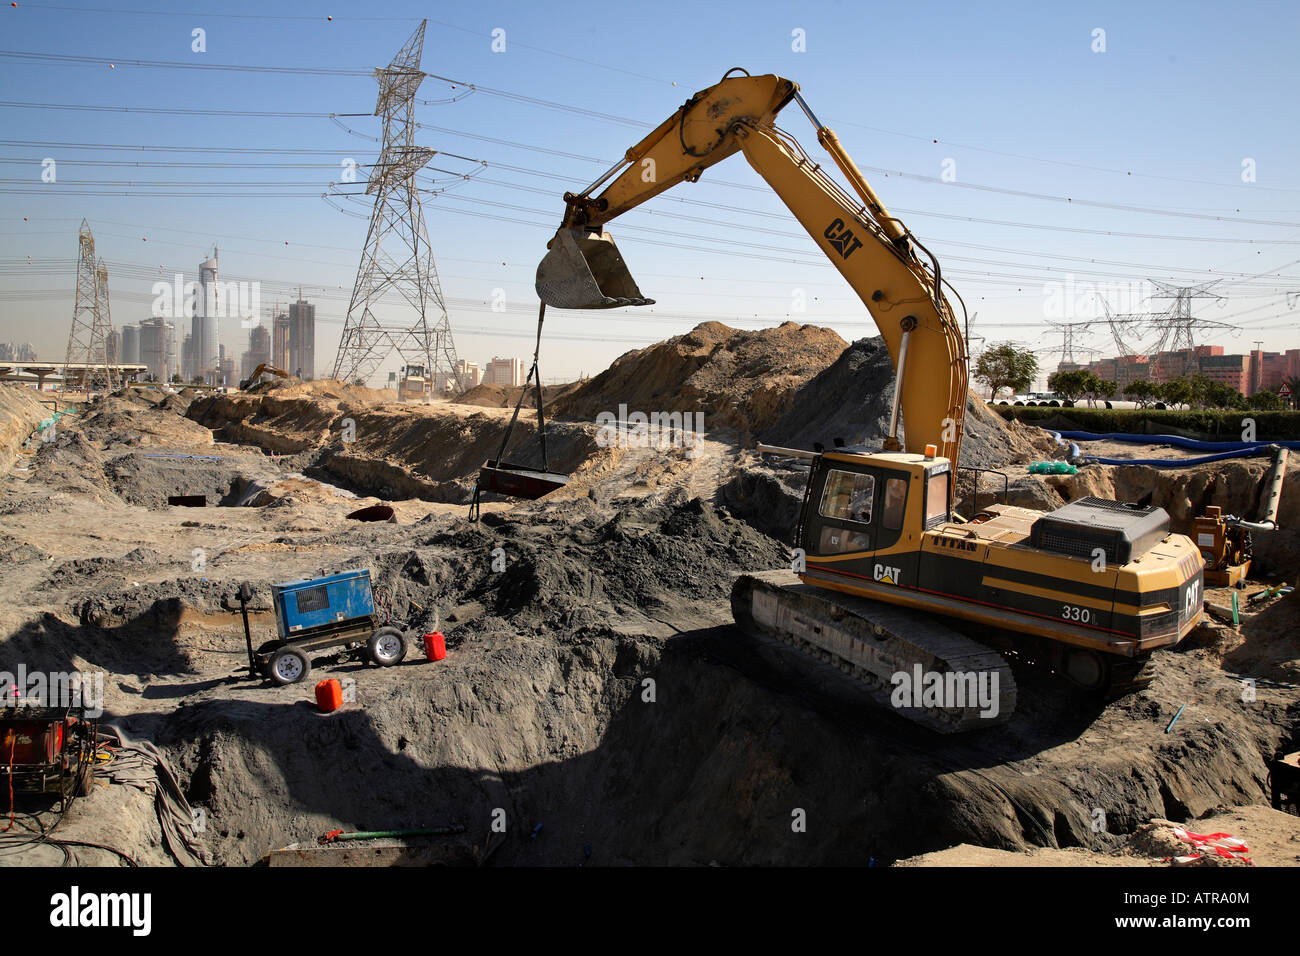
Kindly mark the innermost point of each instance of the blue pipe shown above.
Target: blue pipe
(1224, 449)
(1192, 444)
(1173, 462)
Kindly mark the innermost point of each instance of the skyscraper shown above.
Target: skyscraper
(156, 348)
(204, 329)
(302, 339)
(280, 342)
(130, 344)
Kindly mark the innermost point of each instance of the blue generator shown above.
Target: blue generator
(324, 614)
(322, 602)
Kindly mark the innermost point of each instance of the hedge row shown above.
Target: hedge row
(1209, 425)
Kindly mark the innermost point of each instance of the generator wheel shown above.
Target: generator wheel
(288, 666)
(85, 780)
(387, 646)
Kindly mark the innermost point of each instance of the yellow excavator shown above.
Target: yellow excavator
(889, 585)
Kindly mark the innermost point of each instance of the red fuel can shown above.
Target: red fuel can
(329, 695)
(435, 647)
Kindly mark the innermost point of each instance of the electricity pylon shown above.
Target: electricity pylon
(91, 324)
(397, 262)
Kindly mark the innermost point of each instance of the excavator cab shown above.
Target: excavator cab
(865, 507)
(584, 270)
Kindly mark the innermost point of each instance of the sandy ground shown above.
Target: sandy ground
(540, 707)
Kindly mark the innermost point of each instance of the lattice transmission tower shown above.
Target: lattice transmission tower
(1177, 324)
(91, 323)
(1068, 345)
(397, 274)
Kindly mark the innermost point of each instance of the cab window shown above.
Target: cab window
(895, 500)
(936, 497)
(848, 496)
(841, 541)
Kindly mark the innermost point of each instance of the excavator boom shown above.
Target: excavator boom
(874, 251)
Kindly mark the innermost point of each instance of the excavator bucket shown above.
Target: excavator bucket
(584, 270)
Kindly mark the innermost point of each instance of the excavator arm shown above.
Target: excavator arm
(874, 252)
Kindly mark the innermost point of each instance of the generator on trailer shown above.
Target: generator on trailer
(319, 614)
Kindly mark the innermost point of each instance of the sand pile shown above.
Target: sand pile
(20, 413)
(371, 443)
(506, 396)
(850, 399)
(738, 379)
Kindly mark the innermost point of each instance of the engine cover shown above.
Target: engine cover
(1122, 531)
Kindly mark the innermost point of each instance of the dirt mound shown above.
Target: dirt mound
(135, 420)
(1271, 646)
(387, 448)
(738, 379)
(133, 448)
(506, 396)
(20, 413)
(851, 400)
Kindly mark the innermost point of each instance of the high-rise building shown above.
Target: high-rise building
(205, 338)
(131, 345)
(259, 351)
(187, 358)
(504, 371)
(259, 344)
(302, 339)
(468, 374)
(156, 348)
(280, 342)
(113, 346)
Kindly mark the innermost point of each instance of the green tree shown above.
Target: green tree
(1176, 391)
(1202, 390)
(1266, 401)
(1106, 388)
(1072, 386)
(1219, 395)
(196, 380)
(1140, 391)
(1006, 366)
(177, 380)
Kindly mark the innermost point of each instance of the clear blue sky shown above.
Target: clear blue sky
(1014, 94)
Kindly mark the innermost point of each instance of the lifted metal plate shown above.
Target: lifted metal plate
(518, 481)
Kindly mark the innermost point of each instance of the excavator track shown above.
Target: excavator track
(1128, 675)
(873, 644)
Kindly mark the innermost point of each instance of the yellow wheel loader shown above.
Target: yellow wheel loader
(888, 579)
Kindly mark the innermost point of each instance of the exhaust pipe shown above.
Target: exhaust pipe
(584, 270)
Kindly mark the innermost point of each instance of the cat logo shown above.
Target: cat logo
(842, 238)
(887, 575)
